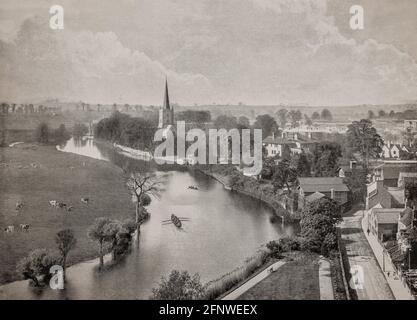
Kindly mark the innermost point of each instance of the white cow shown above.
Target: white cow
(85, 200)
(24, 227)
(53, 203)
(9, 229)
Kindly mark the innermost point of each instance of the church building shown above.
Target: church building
(166, 113)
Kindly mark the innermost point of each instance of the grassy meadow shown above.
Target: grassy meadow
(34, 174)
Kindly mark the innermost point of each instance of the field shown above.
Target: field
(35, 174)
(296, 280)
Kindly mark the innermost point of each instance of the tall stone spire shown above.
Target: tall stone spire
(166, 113)
(165, 104)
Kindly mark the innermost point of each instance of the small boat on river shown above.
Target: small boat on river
(193, 187)
(176, 221)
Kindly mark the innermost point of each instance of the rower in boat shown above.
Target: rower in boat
(176, 221)
(193, 187)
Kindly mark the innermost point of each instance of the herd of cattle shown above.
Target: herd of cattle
(54, 203)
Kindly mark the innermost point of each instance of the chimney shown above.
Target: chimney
(273, 135)
(295, 136)
(331, 193)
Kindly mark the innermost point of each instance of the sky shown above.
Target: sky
(258, 52)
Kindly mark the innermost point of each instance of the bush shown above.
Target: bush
(36, 266)
(179, 286)
(216, 288)
(275, 248)
(290, 244)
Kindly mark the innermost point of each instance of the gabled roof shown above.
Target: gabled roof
(271, 140)
(406, 217)
(392, 171)
(322, 184)
(315, 196)
(384, 215)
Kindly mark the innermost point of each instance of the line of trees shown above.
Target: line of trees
(129, 131)
(46, 135)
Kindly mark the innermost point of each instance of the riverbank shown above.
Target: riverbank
(265, 197)
(34, 174)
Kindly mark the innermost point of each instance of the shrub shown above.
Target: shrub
(290, 244)
(179, 286)
(275, 248)
(216, 288)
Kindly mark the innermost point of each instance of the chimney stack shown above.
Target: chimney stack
(332, 193)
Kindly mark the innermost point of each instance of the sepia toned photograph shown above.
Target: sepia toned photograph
(215, 150)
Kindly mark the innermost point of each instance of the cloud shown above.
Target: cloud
(85, 65)
(254, 51)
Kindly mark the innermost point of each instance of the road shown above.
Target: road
(371, 283)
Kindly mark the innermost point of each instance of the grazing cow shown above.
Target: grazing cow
(24, 227)
(19, 205)
(9, 229)
(85, 200)
(69, 208)
(62, 205)
(53, 203)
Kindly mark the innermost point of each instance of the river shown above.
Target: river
(224, 229)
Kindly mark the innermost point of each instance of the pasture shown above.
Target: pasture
(33, 175)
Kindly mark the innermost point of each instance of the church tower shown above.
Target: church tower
(166, 113)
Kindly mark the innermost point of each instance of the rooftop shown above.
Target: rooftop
(277, 140)
(384, 215)
(322, 184)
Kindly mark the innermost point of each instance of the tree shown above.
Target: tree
(315, 115)
(326, 158)
(307, 120)
(61, 134)
(285, 176)
(142, 186)
(371, 114)
(179, 286)
(382, 114)
(295, 116)
(79, 130)
(98, 232)
(65, 241)
(42, 133)
(36, 266)
(301, 164)
(318, 225)
(356, 183)
(363, 138)
(282, 117)
(409, 137)
(244, 122)
(225, 122)
(326, 115)
(267, 124)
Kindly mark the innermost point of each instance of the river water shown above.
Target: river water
(224, 229)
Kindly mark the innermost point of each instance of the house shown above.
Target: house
(346, 168)
(386, 197)
(410, 125)
(392, 151)
(383, 223)
(389, 171)
(331, 187)
(406, 177)
(274, 146)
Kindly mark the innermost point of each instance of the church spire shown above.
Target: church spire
(165, 104)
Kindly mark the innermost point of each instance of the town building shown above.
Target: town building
(383, 223)
(275, 146)
(166, 112)
(392, 151)
(410, 125)
(311, 189)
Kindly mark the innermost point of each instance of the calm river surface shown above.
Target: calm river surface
(224, 229)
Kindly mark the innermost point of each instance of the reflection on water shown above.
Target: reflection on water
(224, 229)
